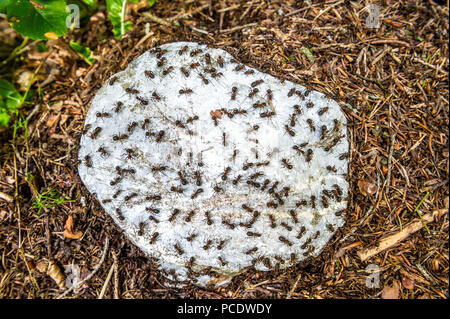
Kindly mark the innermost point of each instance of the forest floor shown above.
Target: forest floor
(391, 82)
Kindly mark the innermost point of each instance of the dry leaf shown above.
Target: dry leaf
(51, 35)
(216, 113)
(367, 188)
(391, 292)
(408, 283)
(55, 273)
(52, 270)
(69, 231)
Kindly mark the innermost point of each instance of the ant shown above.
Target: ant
(161, 62)
(117, 193)
(220, 61)
(128, 197)
(286, 163)
(251, 251)
(323, 110)
(265, 184)
(154, 237)
(176, 190)
(185, 91)
(208, 244)
(252, 234)
(194, 65)
(98, 114)
(131, 91)
(176, 211)
(142, 100)
(249, 72)
(309, 154)
(257, 105)
(225, 173)
(197, 192)
(88, 161)
(149, 74)
(311, 125)
(233, 92)
(267, 114)
(184, 71)
(153, 210)
(118, 107)
(182, 179)
(113, 80)
(195, 52)
(309, 104)
(289, 130)
(208, 58)
(253, 92)
(294, 216)
(237, 179)
(153, 197)
(191, 237)
(291, 92)
(323, 132)
(239, 67)
(103, 151)
(269, 94)
(156, 96)
(120, 137)
(160, 136)
(146, 122)
(183, 49)
(115, 181)
(285, 241)
(256, 83)
(301, 232)
(168, 70)
(204, 79)
(131, 127)
(208, 218)
(189, 216)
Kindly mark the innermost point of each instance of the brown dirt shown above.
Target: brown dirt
(393, 86)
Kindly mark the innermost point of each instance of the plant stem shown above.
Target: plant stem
(15, 51)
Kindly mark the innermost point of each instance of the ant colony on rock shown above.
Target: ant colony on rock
(212, 167)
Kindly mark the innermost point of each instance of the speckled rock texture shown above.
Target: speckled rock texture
(212, 167)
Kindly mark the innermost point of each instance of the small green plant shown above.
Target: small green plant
(50, 19)
(117, 11)
(48, 198)
(10, 101)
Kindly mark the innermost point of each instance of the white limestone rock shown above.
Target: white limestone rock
(211, 166)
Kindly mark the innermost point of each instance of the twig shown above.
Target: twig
(102, 259)
(327, 9)
(431, 66)
(116, 276)
(288, 296)
(394, 239)
(155, 18)
(105, 285)
(238, 28)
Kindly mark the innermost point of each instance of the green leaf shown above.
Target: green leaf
(117, 10)
(4, 118)
(10, 99)
(3, 4)
(39, 19)
(308, 54)
(151, 3)
(90, 3)
(83, 51)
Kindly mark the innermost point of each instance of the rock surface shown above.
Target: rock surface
(212, 167)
